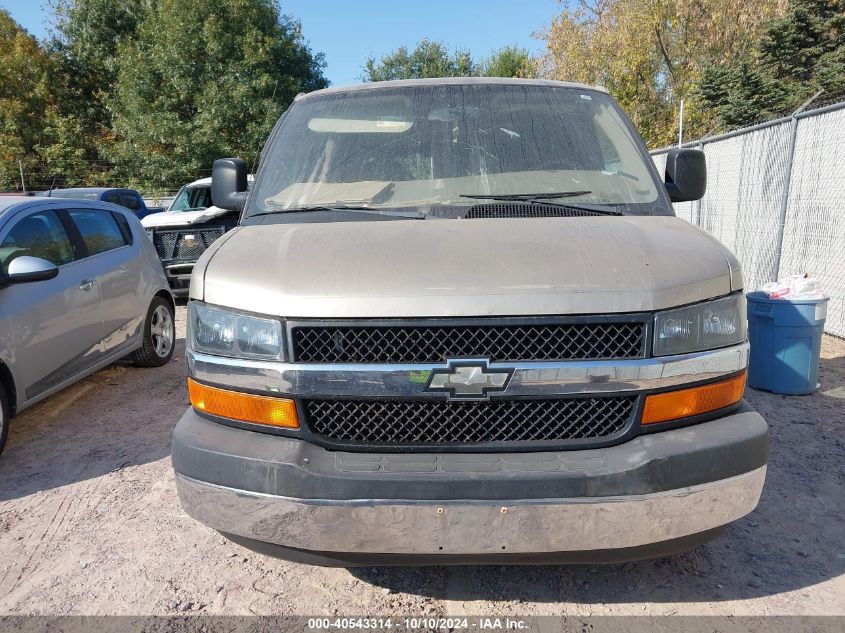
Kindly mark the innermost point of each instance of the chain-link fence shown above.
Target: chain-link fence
(776, 198)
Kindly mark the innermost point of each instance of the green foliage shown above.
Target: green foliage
(83, 48)
(146, 92)
(24, 99)
(794, 44)
(85, 41)
(741, 95)
(798, 54)
(67, 153)
(203, 79)
(510, 61)
(433, 59)
(428, 59)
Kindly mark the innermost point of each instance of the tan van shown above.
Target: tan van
(459, 322)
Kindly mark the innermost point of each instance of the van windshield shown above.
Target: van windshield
(449, 146)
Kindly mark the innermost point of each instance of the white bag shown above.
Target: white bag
(794, 287)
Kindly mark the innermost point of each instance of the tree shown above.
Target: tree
(805, 49)
(428, 59)
(742, 95)
(651, 54)
(433, 59)
(510, 61)
(84, 43)
(798, 53)
(203, 79)
(24, 100)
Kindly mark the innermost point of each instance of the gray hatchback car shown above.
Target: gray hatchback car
(80, 287)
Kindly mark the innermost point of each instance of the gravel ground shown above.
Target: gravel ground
(90, 524)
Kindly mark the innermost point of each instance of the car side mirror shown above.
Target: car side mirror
(228, 183)
(686, 174)
(25, 269)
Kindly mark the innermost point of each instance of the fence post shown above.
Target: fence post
(787, 182)
(784, 199)
(698, 202)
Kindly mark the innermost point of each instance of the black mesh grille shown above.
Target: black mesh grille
(184, 245)
(415, 422)
(522, 210)
(436, 344)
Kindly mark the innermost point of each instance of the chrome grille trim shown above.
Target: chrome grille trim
(530, 379)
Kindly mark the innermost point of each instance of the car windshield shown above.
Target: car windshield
(456, 145)
(191, 197)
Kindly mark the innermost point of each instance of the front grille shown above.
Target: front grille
(437, 343)
(184, 245)
(523, 210)
(428, 422)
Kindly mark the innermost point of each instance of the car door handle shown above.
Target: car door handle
(87, 284)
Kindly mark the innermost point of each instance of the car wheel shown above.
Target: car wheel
(4, 417)
(159, 335)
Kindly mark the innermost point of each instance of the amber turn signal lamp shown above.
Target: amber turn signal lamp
(244, 407)
(662, 407)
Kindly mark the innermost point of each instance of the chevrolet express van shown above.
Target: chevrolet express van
(459, 322)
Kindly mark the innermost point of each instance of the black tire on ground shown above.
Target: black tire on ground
(159, 335)
(4, 417)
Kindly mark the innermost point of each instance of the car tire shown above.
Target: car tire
(159, 335)
(4, 417)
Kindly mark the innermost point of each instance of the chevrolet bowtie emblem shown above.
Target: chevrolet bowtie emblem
(469, 379)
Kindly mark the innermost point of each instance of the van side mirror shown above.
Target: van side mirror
(686, 174)
(228, 183)
(24, 269)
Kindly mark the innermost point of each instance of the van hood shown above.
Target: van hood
(448, 268)
(182, 218)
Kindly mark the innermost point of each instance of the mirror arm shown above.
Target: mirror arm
(238, 199)
(672, 190)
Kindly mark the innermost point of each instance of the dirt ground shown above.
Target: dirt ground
(90, 524)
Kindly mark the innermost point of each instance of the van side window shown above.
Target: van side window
(37, 235)
(98, 229)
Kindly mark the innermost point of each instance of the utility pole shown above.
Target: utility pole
(681, 125)
(20, 168)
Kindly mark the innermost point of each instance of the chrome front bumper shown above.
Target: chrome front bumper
(405, 526)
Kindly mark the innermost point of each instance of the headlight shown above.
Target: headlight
(227, 332)
(700, 327)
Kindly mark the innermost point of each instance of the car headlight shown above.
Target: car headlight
(227, 332)
(699, 327)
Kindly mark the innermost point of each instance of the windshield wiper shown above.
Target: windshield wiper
(344, 207)
(544, 199)
(528, 197)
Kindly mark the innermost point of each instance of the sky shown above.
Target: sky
(349, 31)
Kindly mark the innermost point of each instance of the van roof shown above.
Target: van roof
(502, 81)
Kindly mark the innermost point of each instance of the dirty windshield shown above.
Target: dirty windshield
(450, 146)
